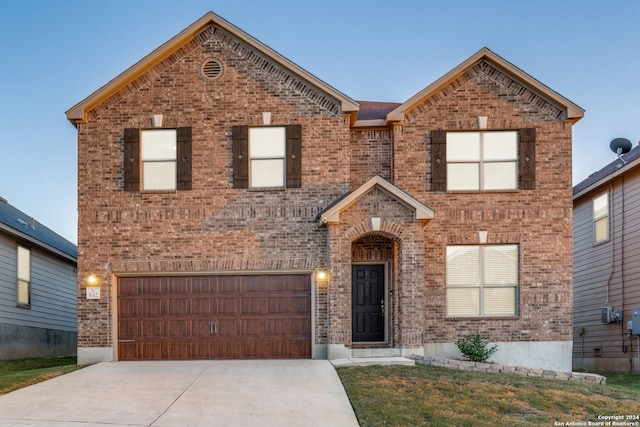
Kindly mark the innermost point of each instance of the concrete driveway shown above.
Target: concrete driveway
(179, 394)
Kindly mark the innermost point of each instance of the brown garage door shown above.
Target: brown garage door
(211, 317)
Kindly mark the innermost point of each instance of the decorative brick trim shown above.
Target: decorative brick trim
(213, 265)
(273, 71)
(209, 37)
(486, 75)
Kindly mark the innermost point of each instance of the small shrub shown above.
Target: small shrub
(474, 348)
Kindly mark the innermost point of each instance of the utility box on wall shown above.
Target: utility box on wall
(610, 315)
(635, 321)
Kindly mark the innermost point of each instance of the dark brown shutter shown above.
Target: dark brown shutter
(240, 136)
(294, 156)
(438, 160)
(527, 158)
(184, 158)
(132, 159)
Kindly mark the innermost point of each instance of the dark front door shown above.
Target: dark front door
(368, 302)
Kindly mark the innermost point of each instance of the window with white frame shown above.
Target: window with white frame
(158, 158)
(23, 270)
(267, 149)
(482, 280)
(601, 218)
(485, 160)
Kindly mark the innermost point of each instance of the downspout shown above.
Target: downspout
(613, 243)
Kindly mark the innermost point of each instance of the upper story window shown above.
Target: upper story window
(483, 160)
(482, 280)
(158, 152)
(601, 218)
(157, 159)
(267, 156)
(23, 264)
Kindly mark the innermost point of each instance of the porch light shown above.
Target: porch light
(322, 274)
(92, 280)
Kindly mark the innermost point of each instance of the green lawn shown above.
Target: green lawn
(15, 374)
(431, 396)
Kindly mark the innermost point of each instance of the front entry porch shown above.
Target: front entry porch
(375, 295)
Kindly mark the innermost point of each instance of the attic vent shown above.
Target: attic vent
(212, 69)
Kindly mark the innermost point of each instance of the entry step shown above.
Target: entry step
(369, 361)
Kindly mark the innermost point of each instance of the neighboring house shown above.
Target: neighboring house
(38, 288)
(606, 249)
(233, 205)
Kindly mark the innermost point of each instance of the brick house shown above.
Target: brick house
(233, 205)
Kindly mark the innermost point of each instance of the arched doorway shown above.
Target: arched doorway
(373, 265)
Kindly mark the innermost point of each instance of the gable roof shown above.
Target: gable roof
(17, 223)
(572, 111)
(625, 164)
(332, 214)
(78, 111)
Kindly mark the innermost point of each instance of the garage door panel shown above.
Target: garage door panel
(153, 306)
(252, 305)
(227, 305)
(298, 328)
(178, 328)
(149, 351)
(226, 327)
(130, 307)
(225, 284)
(204, 317)
(179, 306)
(177, 349)
(249, 327)
(202, 328)
(128, 285)
(203, 350)
(129, 328)
(202, 306)
(179, 285)
(155, 285)
(153, 328)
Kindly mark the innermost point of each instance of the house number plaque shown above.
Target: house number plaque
(93, 293)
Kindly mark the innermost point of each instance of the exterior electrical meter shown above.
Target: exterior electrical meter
(635, 321)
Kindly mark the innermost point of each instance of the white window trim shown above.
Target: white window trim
(267, 158)
(20, 279)
(481, 161)
(143, 162)
(595, 219)
(482, 286)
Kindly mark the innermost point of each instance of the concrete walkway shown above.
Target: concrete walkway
(179, 394)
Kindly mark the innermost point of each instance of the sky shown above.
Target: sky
(56, 53)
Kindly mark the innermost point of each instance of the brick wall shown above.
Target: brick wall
(215, 227)
(212, 227)
(538, 220)
(370, 155)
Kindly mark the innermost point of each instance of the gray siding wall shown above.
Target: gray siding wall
(607, 274)
(53, 290)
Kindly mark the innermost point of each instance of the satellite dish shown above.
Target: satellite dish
(620, 146)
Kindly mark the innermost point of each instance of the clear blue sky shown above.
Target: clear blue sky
(56, 53)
